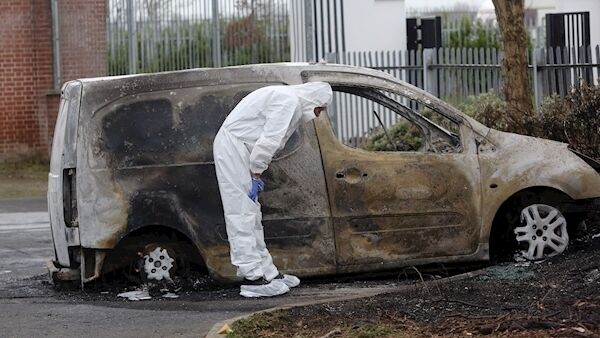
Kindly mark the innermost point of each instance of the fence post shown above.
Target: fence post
(56, 44)
(332, 57)
(216, 34)
(538, 61)
(132, 38)
(309, 30)
(428, 74)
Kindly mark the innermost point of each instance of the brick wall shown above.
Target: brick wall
(28, 101)
(83, 38)
(19, 125)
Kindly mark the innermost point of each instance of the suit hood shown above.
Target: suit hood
(312, 95)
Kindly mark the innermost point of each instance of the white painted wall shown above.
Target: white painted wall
(375, 25)
(369, 25)
(592, 6)
(544, 7)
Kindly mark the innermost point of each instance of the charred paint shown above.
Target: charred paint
(144, 152)
(397, 206)
(511, 163)
(159, 146)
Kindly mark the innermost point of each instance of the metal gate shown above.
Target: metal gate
(568, 40)
(159, 35)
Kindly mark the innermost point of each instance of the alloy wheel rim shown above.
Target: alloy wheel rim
(543, 232)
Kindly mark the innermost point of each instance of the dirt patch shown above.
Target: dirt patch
(558, 297)
(23, 179)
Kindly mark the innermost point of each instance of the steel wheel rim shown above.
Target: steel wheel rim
(157, 264)
(543, 231)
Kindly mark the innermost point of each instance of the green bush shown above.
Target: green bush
(574, 119)
(489, 109)
(474, 35)
(405, 136)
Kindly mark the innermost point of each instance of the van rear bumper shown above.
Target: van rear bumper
(59, 274)
(90, 268)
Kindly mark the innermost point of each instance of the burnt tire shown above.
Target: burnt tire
(503, 239)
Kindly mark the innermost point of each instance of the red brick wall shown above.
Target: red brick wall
(28, 101)
(83, 39)
(19, 126)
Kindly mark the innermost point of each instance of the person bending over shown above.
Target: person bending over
(254, 131)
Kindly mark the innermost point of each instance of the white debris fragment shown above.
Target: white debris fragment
(596, 235)
(518, 257)
(136, 295)
(170, 295)
(592, 276)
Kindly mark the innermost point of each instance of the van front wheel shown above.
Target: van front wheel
(542, 232)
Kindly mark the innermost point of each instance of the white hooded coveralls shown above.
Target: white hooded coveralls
(254, 131)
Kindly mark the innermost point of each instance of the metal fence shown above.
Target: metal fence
(159, 35)
(453, 74)
(459, 72)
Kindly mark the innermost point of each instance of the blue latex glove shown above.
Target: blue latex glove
(257, 186)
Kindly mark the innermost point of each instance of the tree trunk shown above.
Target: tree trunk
(516, 87)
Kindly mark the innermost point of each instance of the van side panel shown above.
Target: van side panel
(138, 147)
(148, 161)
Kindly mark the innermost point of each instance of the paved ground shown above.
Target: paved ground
(31, 307)
(10, 205)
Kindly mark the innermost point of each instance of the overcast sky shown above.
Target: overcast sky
(421, 4)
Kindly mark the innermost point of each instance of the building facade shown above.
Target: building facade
(43, 44)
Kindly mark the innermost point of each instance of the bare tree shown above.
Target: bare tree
(516, 87)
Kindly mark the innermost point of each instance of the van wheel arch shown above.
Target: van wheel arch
(183, 249)
(502, 238)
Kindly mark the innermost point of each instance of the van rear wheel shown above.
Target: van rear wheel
(156, 263)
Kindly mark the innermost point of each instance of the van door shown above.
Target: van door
(417, 201)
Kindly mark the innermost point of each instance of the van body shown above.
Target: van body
(132, 164)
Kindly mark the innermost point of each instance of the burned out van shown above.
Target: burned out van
(132, 168)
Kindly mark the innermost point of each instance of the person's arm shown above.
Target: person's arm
(278, 115)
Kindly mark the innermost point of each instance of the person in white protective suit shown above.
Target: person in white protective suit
(254, 131)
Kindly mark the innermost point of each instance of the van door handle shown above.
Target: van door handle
(351, 175)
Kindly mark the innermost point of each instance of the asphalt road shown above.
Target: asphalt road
(32, 307)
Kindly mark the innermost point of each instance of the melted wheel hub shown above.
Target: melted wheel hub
(157, 264)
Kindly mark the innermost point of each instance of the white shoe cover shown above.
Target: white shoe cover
(275, 288)
(290, 280)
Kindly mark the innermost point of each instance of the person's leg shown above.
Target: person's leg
(233, 176)
(269, 269)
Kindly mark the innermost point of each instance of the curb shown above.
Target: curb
(361, 293)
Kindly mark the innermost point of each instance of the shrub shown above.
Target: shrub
(405, 136)
(489, 109)
(574, 119)
(552, 116)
